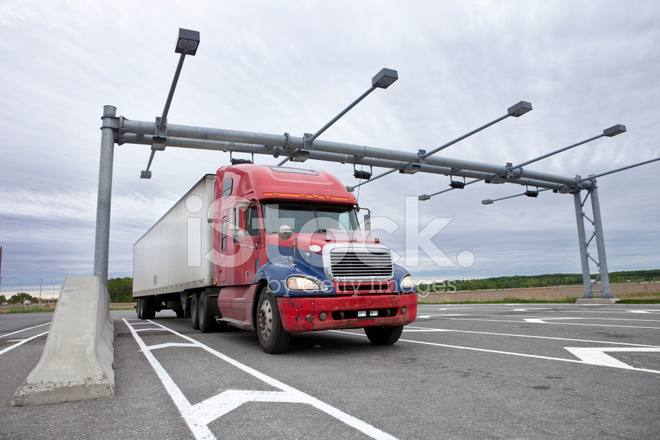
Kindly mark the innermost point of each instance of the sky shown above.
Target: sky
(290, 66)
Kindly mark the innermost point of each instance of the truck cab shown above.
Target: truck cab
(289, 257)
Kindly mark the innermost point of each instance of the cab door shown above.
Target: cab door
(252, 252)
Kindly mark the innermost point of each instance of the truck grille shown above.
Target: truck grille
(357, 263)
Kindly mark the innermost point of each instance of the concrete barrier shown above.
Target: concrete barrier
(77, 360)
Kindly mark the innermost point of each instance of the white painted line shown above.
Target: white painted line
(23, 341)
(556, 323)
(200, 415)
(528, 309)
(408, 329)
(644, 311)
(441, 316)
(545, 321)
(558, 318)
(149, 329)
(25, 329)
(171, 344)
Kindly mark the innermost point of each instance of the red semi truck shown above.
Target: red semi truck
(274, 249)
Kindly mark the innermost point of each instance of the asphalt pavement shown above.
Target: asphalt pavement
(460, 371)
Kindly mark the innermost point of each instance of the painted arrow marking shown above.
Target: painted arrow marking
(598, 356)
(199, 416)
(544, 320)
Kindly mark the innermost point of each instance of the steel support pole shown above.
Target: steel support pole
(600, 242)
(102, 242)
(582, 241)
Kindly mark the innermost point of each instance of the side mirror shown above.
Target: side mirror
(285, 232)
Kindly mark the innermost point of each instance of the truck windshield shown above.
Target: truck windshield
(309, 218)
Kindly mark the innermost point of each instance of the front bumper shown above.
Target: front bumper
(300, 314)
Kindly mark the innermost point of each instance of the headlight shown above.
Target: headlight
(297, 282)
(407, 283)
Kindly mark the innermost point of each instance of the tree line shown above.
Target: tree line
(120, 289)
(21, 297)
(549, 280)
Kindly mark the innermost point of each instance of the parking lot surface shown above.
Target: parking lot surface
(504, 371)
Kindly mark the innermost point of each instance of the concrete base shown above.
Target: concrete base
(597, 301)
(77, 360)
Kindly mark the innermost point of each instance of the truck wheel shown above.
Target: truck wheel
(194, 310)
(206, 322)
(272, 336)
(145, 308)
(149, 308)
(384, 335)
(140, 309)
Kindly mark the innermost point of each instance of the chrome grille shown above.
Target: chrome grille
(358, 263)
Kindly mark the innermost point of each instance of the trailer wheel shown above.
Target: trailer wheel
(139, 309)
(272, 336)
(206, 323)
(148, 308)
(384, 335)
(194, 310)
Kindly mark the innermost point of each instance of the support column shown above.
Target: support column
(582, 241)
(102, 241)
(600, 242)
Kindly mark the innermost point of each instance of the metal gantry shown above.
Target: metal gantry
(121, 130)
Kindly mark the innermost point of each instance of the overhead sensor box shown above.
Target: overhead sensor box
(361, 174)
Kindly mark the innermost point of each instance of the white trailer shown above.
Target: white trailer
(175, 256)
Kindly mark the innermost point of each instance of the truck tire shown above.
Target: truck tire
(194, 310)
(272, 336)
(145, 308)
(206, 323)
(384, 335)
(139, 309)
(149, 308)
